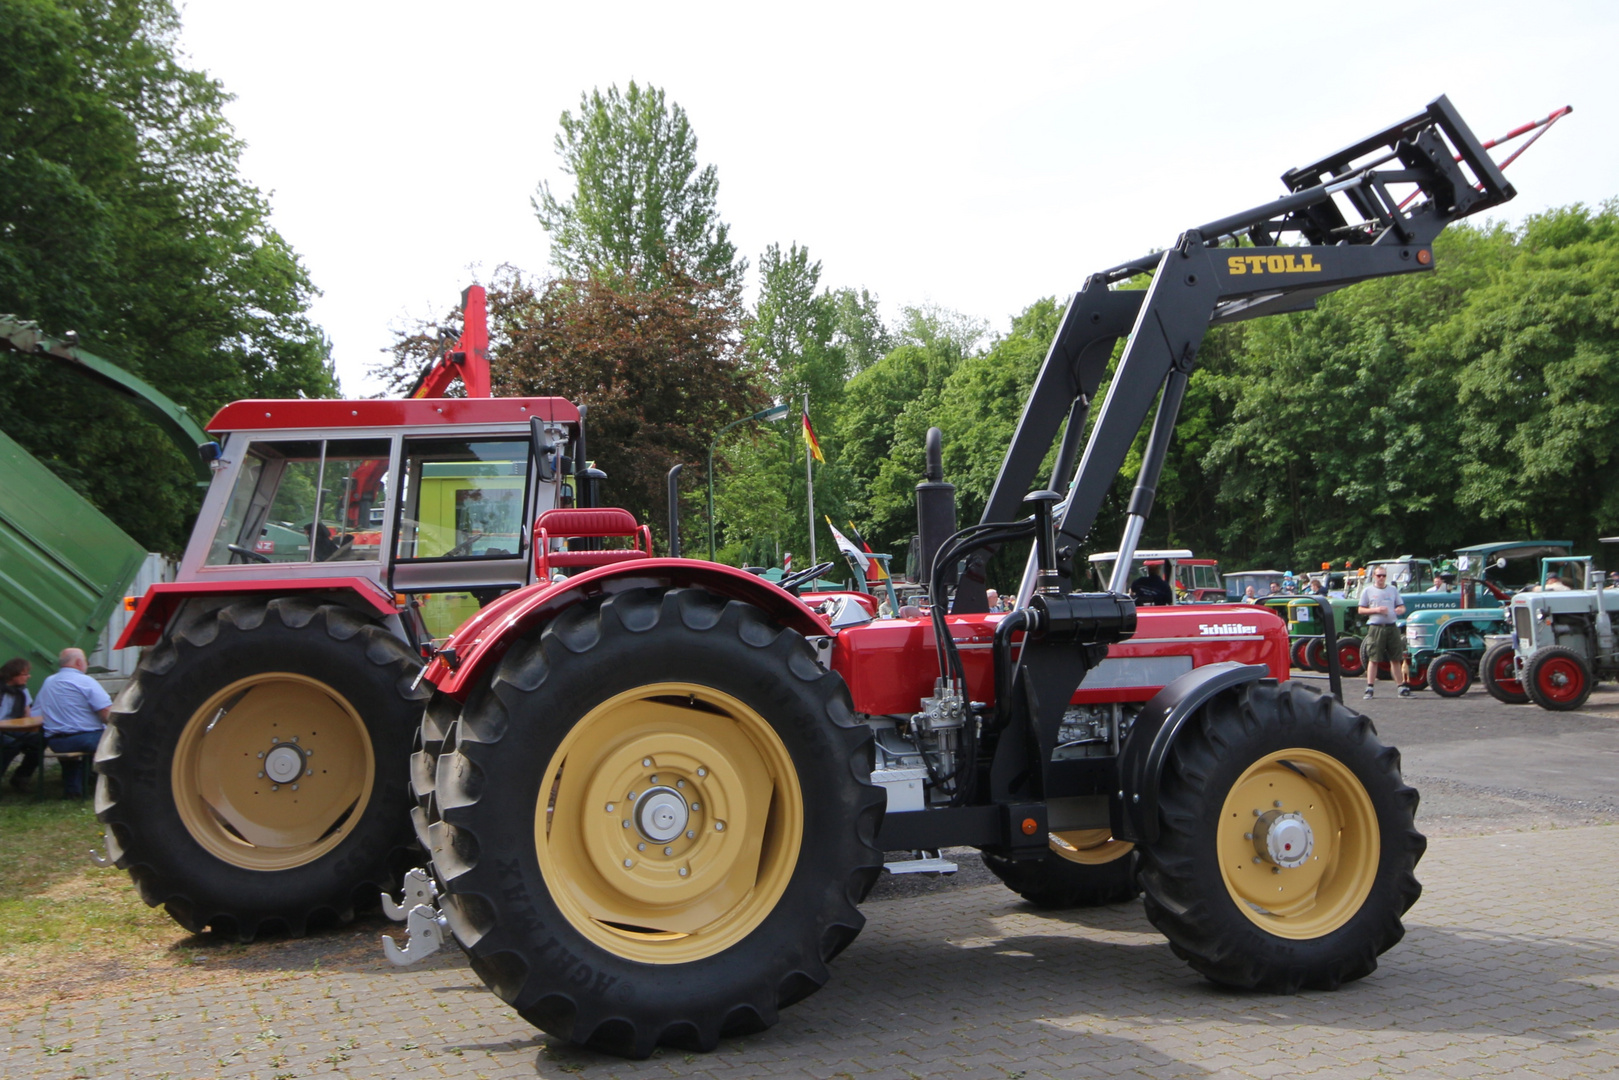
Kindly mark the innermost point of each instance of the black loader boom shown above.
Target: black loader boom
(1369, 210)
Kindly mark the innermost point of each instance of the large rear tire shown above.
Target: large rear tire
(652, 822)
(1319, 895)
(253, 773)
(1084, 868)
(1500, 677)
(1558, 679)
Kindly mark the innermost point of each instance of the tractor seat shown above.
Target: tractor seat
(555, 526)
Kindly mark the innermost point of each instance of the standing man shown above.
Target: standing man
(1380, 603)
(75, 708)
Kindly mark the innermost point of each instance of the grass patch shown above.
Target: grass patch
(60, 910)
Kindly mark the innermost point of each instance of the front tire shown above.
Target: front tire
(253, 772)
(1500, 676)
(1246, 920)
(1558, 679)
(1449, 675)
(652, 821)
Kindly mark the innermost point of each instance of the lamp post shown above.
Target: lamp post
(775, 412)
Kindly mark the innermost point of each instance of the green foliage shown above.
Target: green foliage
(658, 364)
(123, 216)
(639, 202)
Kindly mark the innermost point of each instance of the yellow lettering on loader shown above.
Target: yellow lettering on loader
(1235, 266)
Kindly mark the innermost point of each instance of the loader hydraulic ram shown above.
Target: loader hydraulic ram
(654, 795)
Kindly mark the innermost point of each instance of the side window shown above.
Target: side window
(463, 499)
(304, 501)
(353, 489)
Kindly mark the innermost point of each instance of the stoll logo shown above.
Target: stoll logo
(1222, 628)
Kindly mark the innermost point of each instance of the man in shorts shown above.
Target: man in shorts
(1380, 604)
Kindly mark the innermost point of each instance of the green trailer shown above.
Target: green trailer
(63, 565)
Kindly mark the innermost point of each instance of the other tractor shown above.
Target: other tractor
(1563, 637)
(653, 796)
(254, 774)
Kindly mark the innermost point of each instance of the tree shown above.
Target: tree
(658, 364)
(790, 347)
(640, 202)
(123, 216)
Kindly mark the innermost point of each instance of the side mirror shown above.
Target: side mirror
(1501, 563)
(541, 450)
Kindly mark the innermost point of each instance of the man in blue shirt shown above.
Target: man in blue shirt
(75, 708)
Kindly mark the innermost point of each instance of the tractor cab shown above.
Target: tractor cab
(1512, 564)
(1195, 581)
(432, 502)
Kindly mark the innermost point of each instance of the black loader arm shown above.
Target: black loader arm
(1369, 210)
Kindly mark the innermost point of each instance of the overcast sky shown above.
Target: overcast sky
(974, 156)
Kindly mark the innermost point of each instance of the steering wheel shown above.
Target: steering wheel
(248, 553)
(464, 547)
(792, 582)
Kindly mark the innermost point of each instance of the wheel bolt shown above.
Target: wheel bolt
(1245, 836)
(646, 763)
(701, 771)
(1256, 813)
(610, 807)
(629, 863)
(309, 772)
(274, 739)
(261, 754)
(680, 783)
(295, 738)
(295, 787)
(696, 806)
(1277, 804)
(275, 787)
(261, 776)
(640, 847)
(668, 851)
(632, 799)
(719, 826)
(626, 823)
(653, 778)
(690, 835)
(684, 871)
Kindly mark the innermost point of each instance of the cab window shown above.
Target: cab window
(301, 501)
(463, 499)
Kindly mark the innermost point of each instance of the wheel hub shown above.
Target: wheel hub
(661, 815)
(1283, 839)
(284, 763)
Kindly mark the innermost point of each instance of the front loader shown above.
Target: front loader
(653, 796)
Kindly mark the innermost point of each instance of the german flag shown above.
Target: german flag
(809, 437)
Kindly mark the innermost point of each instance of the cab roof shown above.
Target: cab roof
(299, 413)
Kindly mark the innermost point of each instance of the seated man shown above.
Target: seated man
(75, 708)
(1152, 590)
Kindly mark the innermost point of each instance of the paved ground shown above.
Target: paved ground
(1510, 967)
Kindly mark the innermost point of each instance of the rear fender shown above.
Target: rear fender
(161, 601)
(485, 637)
(1141, 759)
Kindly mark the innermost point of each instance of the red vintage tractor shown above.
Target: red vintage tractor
(653, 795)
(254, 774)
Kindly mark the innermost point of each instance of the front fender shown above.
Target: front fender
(1141, 759)
(485, 637)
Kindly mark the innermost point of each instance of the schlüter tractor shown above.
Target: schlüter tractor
(254, 773)
(1563, 637)
(653, 795)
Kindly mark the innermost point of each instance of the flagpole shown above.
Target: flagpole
(809, 486)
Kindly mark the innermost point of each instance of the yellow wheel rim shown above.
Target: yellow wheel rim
(273, 771)
(669, 823)
(1090, 847)
(1321, 893)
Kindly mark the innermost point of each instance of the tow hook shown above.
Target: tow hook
(426, 927)
(100, 855)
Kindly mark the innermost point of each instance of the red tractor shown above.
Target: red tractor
(653, 795)
(254, 774)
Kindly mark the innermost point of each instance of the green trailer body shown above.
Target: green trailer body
(63, 565)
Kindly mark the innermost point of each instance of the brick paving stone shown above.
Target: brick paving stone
(1503, 972)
